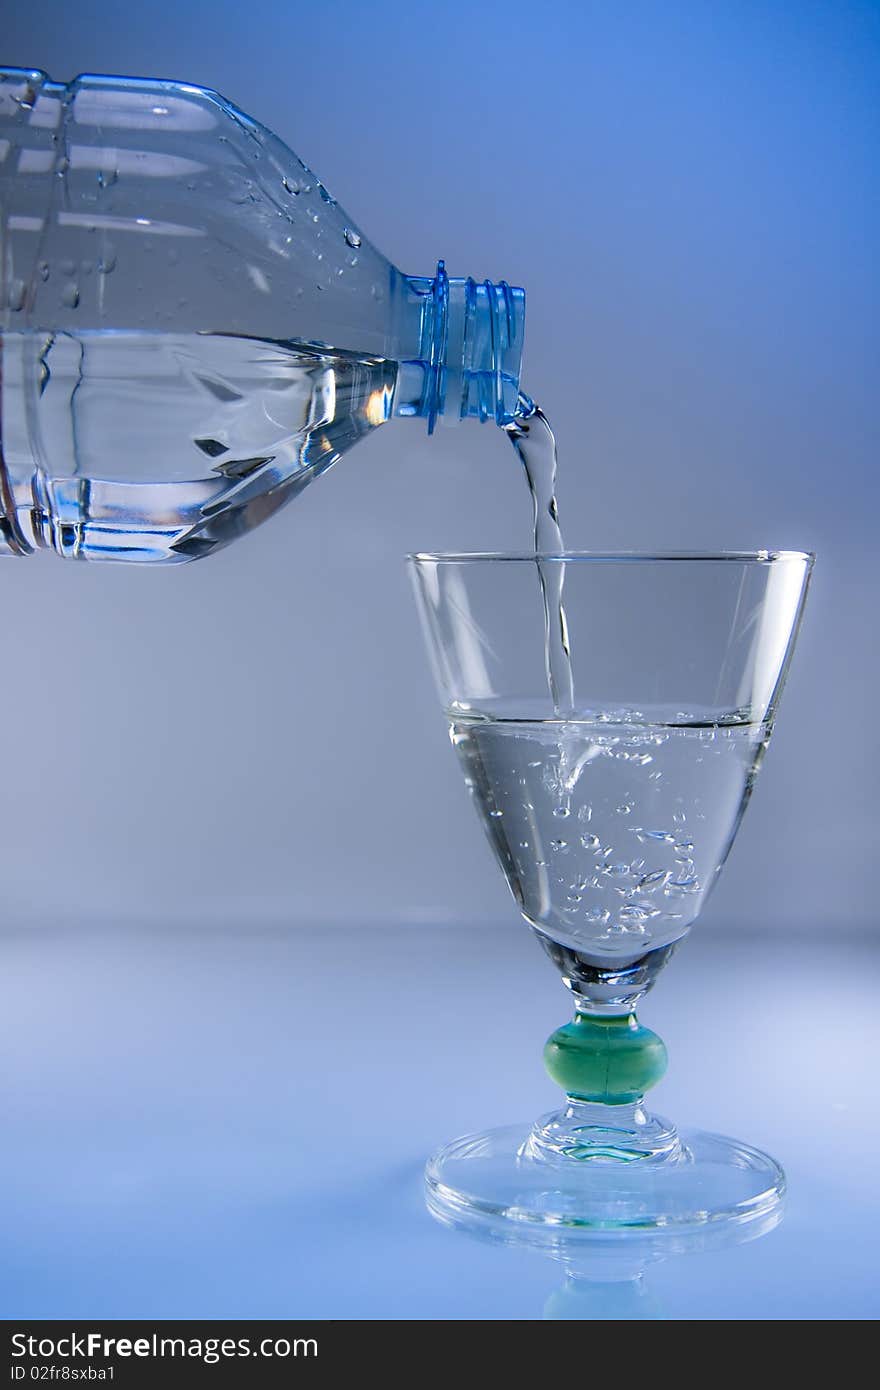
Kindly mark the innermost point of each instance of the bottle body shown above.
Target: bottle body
(193, 329)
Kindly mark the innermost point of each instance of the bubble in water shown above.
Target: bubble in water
(523, 844)
(630, 913)
(654, 878)
(496, 814)
(631, 918)
(15, 295)
(645, 835)
(354, 241)
(70, 295)
(598, 914)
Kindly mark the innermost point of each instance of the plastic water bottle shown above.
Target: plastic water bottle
(192, 327)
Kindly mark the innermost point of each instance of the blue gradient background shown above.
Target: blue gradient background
(689, 194)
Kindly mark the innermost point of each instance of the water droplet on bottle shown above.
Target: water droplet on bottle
(624, 809)
(496, 814)
(352, 238)
(70, 295)
(107, 177)
(683, 849)
(523, 844)
(28, 98)
(68, 267)
(62, 166)
(679, 817)
(585, 813)
(561, 812)
(328, 197)
(590, 841)
(559, 845)
(15, 295)
(44, 271)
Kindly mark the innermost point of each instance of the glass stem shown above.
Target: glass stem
(611, 1060)
(605, 1064)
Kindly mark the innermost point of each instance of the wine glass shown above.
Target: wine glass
(611, 814)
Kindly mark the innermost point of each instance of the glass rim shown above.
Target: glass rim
(762, 557)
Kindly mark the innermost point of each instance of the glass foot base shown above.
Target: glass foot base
(500, 1184)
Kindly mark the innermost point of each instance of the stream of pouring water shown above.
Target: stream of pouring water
(531, 436)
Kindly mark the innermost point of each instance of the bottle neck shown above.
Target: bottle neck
(462, 349)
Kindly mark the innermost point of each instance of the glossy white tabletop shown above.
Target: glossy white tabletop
(233, 1123)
